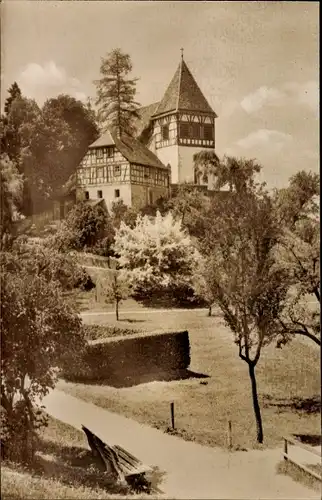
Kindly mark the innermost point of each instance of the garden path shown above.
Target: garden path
(190, 470)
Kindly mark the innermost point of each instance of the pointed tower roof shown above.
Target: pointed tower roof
(183, 94)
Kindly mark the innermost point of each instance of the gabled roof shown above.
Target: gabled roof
(132, 149)
(105, 139)
(183, 94)
(145, 114)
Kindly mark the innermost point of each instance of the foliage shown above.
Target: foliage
(160, 205)
(132, 358)
(189, 205)
(95, 332)
(46, 144)
(70, 127)
(206, 164)
(85, 227)
(116, 288)
(14, 92)
(40, 333)
(237, 173)
(121, 212)
(11, 185)
(158, 253)
(55, 266)
(238, 273)
(116, 93)
(298, 253)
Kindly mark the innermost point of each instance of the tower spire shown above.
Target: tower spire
(182, 53)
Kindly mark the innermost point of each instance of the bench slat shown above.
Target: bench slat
(116, 456)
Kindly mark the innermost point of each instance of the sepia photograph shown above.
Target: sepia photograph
(160, 250)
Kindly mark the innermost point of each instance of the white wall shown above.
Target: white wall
(109, 193)
(169, 155)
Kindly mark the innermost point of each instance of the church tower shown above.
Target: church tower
(183, 124)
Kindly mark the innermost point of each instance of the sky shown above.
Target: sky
(256, 63)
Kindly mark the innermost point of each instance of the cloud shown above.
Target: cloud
(265, 138)
(228, 108)
(47, 80)
(291, 93)
(305, 93)
(264, 96)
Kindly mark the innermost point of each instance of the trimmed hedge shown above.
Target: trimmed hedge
(95, 332)
(123, 358)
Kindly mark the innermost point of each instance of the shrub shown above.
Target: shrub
(131, 357)
(84, 227)
(95, 332)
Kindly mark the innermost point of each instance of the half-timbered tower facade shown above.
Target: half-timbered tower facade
(181, 124)
(122, 168)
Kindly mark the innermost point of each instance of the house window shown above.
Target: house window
(99, 153)
(116, 193)
(196, 130)
(86, 195)
(165, 132)
(150, 198)
(208, 132)
(100, 172)
(99, 193)
(109, 152)
(117, 170)
(184, 130)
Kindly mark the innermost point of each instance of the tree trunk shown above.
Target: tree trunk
(256, 407)
(209, 310)
(117, 309)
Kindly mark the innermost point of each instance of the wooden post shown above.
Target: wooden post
(230, 438)
(172, 414)
(285, 449)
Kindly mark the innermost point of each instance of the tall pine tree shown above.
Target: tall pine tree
(14, 92)
(117, 108)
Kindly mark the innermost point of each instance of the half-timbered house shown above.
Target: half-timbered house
(140, 170)
(120, 167)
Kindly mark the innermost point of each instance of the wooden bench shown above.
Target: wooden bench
(119, 462)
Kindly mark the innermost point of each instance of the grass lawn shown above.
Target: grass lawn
(93, 301)
(63, 469)
(288, 384)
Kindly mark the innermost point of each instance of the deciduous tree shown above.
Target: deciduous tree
(240, 275)
(237, 173)
(84, 228)
(40, 331)
(46, 144)
(121, 212)
(159, 254)
(298, 253)
(189, 205)
(116, 288)
(11, 186)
